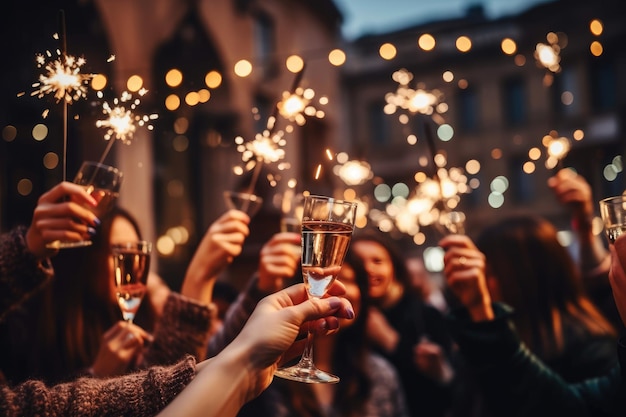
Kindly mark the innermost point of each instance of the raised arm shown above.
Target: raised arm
(573, 191)
(246, 366)
(513, 380)
(222, 242)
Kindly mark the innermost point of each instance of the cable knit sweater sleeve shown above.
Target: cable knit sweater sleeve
(139, 394)
(183, 329)
(20, 272)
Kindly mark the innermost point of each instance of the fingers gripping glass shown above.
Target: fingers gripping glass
(327, 226)
(103, 183)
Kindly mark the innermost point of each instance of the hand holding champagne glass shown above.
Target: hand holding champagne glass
(103, 183)
(613, 212)
(327, 226)
(132, 264)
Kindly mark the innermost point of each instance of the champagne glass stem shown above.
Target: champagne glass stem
(306, 360)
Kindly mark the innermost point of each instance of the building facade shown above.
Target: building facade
(499, 105)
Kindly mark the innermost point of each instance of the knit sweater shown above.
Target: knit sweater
(138, 394)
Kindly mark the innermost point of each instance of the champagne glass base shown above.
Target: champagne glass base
(308, 375)
(57, 244)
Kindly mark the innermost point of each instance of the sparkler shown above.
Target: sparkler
(353, 172)
(267, 142)
(557, 148)
(427, 105)
(548, 55)
(62, 79)
(296, 105)
(121, 120)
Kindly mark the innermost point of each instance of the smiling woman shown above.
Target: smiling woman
(363, 17)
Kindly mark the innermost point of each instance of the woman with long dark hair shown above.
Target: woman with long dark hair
(73, 325)
(528, 269)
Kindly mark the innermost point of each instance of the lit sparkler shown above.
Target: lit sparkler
(557, 148)
(267, 146)
(413, 100)
(352, 172)
(433, 202)
(122, 120)
(61, 77)
(548, 55)
(296, 106)
(428, 105)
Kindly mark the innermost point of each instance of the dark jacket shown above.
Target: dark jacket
(516, 383)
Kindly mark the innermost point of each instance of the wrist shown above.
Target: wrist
(255, 289)
(481, 312)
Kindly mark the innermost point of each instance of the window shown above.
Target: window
(603, 85)
(567, 93)
(468, 117)
(514, 102)
(522, 184)
(378, 123)
(264, 107)
(264, 45)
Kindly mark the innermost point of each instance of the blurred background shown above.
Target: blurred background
(467, 107)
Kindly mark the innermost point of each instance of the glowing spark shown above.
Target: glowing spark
(557, 148)
(296, 106)
(354, 172)
(265, 147)
(548, 55)
(416, 100)
(61, 77)
(122, 122)
(433, 203)
(318, 171)
(329, 154)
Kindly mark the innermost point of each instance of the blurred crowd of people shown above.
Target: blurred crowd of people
(518, 327)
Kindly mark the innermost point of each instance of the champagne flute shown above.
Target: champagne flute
(613, 213)
(103, 183)
(132, 264)
(246, 202)
(327, 226)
